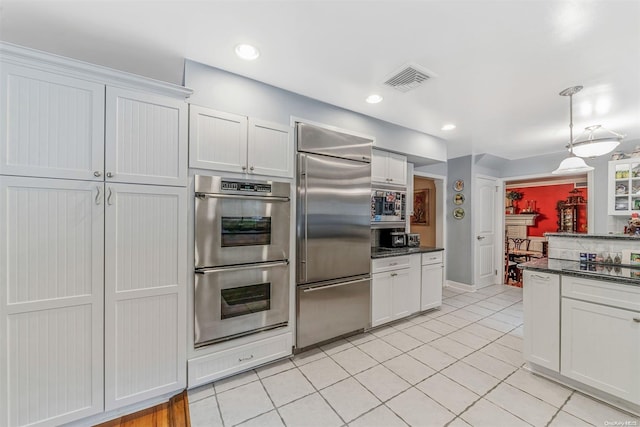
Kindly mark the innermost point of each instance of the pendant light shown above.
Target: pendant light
(571, 164)
(598, 141)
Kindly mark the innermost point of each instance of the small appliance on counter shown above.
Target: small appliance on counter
(413, 240)
(393, 239)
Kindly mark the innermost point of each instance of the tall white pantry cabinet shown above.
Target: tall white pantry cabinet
(93, 271)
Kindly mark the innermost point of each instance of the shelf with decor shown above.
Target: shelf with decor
(624, 186)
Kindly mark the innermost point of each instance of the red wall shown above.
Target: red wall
(547, 197)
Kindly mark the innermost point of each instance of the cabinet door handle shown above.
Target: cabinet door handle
(394, 274)
(97, 199)
(109, 175)
(636, 319)
(97, 174)
(242, 359)
(109, 197)
(244, 168)
(539, 277)
(251, 168)
(393, 263)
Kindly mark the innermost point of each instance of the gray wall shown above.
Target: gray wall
(459, 248)
(232, 93)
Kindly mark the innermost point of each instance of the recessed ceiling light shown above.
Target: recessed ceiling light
(246, 51)
(448, 127)
(374, 99)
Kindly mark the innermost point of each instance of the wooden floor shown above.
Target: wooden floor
(174, 413)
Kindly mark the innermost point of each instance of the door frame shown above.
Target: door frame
(498, 242)
(504, 180)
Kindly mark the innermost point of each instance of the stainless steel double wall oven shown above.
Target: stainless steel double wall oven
(241, 257)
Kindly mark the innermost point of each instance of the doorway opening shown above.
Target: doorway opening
(537, 206)
(424, 218)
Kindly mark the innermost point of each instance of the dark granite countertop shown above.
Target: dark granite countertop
(610, 273)
(380, 252)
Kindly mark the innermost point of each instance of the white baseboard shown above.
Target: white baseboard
(461, 286)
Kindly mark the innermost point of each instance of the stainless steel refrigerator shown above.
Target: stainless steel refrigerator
(333, 234)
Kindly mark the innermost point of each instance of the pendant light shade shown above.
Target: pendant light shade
(571, 164)
(597, 142)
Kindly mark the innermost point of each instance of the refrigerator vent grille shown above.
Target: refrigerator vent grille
(408, 78)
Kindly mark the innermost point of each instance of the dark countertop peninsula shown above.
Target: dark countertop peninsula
(617, 273)
(380, 252)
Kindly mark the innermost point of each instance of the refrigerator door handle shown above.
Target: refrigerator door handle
(336, 285)
(303, 246)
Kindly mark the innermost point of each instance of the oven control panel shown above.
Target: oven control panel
(249, 187)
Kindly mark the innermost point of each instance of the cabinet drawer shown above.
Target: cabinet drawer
(380, 265)
(613, 294)
(211, 367)
(432, 257)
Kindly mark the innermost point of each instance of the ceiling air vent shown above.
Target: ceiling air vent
(408, 77)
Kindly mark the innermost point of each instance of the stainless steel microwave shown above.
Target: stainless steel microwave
(388, 208)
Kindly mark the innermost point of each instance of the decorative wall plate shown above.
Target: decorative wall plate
(458, 199)
(458, 185)
(458, 213)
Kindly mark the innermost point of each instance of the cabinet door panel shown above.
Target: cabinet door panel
(593, 333)
(269, 149)
(217, 140)
(146, 138)
(52, 125)
(541, 300)
(379, 166)
(397, 169)
(51, 303)
(432, 279)
(145, 289)
(381, 294)
(403, 295)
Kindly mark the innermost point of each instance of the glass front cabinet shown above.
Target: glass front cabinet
(624, 186)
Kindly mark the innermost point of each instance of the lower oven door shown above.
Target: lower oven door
(240, 300)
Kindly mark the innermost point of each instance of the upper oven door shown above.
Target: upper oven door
(240, 229)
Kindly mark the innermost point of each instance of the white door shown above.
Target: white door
(145, 138)
(402, 295)
(51, 303)
(51, 125)
(217, 140)
(379, 166)
(484, 212)
(541, 299)
(145, 290)
(269, 149)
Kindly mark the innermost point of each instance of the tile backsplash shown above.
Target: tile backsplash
(571, 246)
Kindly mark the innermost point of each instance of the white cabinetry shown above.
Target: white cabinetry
(541, 299)
(145, 138)
(233, 143)
(51, 303)
(145, 292)
(432, 279)
(52, 125)
(601, 343)
(388, 168)
(394, 294)
(56, 126)
(92, 265)
(624, 187)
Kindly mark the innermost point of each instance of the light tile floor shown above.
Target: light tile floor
(458, 366)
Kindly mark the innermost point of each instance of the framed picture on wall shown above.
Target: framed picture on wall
(420, 207)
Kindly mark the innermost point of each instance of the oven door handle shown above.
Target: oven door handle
(242, 196)
(241, 267)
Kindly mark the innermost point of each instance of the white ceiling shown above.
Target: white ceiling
(499, 65)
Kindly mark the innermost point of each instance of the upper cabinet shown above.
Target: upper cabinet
(388, 168)
(60, 126)
(52, 125)
(233, 143)
(145, 138)
(624, 186)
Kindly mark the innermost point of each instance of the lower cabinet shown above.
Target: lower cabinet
(93, 297)
(600, 343)
(394, 294)
(541, 300)
(432, 279)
